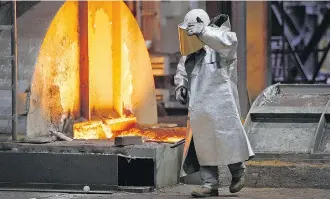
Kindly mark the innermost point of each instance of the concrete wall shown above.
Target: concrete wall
(32, 26)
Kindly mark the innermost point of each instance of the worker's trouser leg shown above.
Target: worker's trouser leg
(237, 169)
(209, 176)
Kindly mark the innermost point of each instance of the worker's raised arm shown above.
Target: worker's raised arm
(221, 40)
(180, 78)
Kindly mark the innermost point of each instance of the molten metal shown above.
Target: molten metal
(125, 127)
(100, 129)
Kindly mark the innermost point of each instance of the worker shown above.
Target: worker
(206, 79)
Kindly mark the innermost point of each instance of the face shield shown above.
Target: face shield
(191, 44)
(188, 44)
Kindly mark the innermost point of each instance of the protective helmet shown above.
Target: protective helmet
(192, 15)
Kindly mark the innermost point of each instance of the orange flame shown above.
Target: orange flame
(111, 128)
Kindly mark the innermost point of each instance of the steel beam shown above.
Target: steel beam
(287, 20)
(319, 32)
(14, 70)
(292, 49)
(239, 26)
(300, 58)
(84, 60)
(320, 63)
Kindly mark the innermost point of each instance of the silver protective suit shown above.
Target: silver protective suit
(211, 79)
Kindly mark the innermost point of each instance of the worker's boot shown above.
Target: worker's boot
(203, 192)
(238, 172)
(209, 178)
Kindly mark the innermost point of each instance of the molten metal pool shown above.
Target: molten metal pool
(111, 128)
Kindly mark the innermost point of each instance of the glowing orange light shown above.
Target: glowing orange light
(125, 127)
(94, 62)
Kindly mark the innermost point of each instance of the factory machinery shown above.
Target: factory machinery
(81, 74)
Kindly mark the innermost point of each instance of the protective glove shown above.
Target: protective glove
(181, 95)
(195, 28)
(218, 20)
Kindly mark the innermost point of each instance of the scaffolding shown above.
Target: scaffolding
(299, 41)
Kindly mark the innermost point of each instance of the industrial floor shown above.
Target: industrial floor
(181, 192)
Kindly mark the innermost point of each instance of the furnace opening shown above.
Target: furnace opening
(93, 77)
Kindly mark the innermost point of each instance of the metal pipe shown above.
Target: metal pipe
(14, 70)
